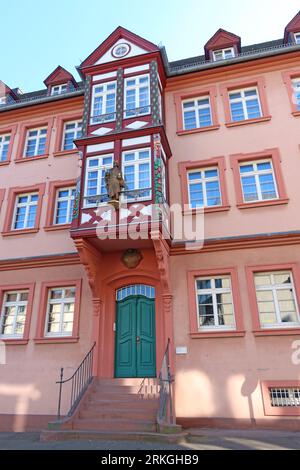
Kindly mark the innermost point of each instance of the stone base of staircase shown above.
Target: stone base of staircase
(115, 409)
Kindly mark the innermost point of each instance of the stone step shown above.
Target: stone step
(128, 414)
(115, 389)
(130, 405)
(133, 397)
(114, 425)
(127, 381)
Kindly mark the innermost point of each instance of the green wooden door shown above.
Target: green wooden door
(135, 354)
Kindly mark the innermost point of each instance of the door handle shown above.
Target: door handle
(138, 339)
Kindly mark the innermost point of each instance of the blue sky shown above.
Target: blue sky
(36, 36)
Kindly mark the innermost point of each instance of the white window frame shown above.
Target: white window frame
(99, 169)
(69, 200)
(196, 108)
(296, 89)
(136, 163)
(17, 303)
(59, 89)
(97, 119)
(213, 291)
(75, 131)
(136, 87)
(273, 288)
(203, 181)
(62, 301)
(37, 138)
(243, 100)
(297, 38)
(2, 100)
(2, 143)
(27, 205)
(223, 52)
(256, 173)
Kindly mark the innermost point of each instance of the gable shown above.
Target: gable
(130, 45)
(292, 27)
(58, 76)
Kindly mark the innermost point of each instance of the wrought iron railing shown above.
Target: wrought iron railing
(129, 113)
(100, 118)
(128, 195)
(165, 409)
(80, 381)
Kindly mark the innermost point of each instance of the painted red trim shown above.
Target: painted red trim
(211, 91)
(45, 286)
(193, 313)
(260, 83)
(24, 128)
(30, 287)
(185, 167)
(52, 190)
(10, 129)
(272, 154)
(61, 120)
(250, 271)
(2, 193)
(287, 77)
(273, 410)
(12, 194)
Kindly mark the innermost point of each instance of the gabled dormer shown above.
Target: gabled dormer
(222, 45)
(7, 95)
(292, 31)
(124, 81)
(60, 81)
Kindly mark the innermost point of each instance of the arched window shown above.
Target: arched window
(136, 289)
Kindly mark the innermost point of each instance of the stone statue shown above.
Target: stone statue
(114, 182)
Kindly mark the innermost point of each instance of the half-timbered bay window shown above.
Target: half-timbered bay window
(223, 54)
(215, 303)
(136, 168)
(258, 181)
(276, 299)
(72, 131)
(245, 104)
(95, 187)
(137, 96)
(197, 113)
(204, 188)
(64, 206)
(13, 314)
(60, 311)
(103, 103)
(4, 146)
(35, 142)
(25, 211)
(296, 91)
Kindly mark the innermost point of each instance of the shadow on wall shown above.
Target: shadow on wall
(22, 394)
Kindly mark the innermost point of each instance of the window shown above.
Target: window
(60, 311)
(13, 314)
(2, 100)
(223, 54)
(64, 206)
(25, 211)
(258, 181)
(245, 104)
(284, 397)
(35, 142)
(104, 103)
(297, 38)
(4, 146)
(296, 91)
(72, 131)
(197, 113)
(214, 303)
(95, 187)
(276, 299)
(136, 167)
(204, 188)
(59, 89)
(137, 96)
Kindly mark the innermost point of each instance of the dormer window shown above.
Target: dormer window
(223, 54)
(59, 89)
(104, 103)
(2, 100)
(297, 38)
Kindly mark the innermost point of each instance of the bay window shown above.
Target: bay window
(137, 96)
(136, 169)
(103, 103)
(95, 187)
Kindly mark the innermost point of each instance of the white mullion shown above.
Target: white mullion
(203, 182)
(69, 201)
(197, 113)
(276, 303)
(215, 303)
(244, 104)
(62, 308)
(16, 313)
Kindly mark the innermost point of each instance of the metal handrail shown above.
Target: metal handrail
(81, 379)
(165, 409)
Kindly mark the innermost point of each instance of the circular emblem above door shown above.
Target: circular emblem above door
(120, 50)
(132, 258)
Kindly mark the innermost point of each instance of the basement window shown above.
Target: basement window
(285, 397)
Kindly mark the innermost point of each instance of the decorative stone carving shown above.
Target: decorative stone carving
(132, 258)
(114, 184)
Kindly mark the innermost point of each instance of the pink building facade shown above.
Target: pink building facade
(216, 139)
